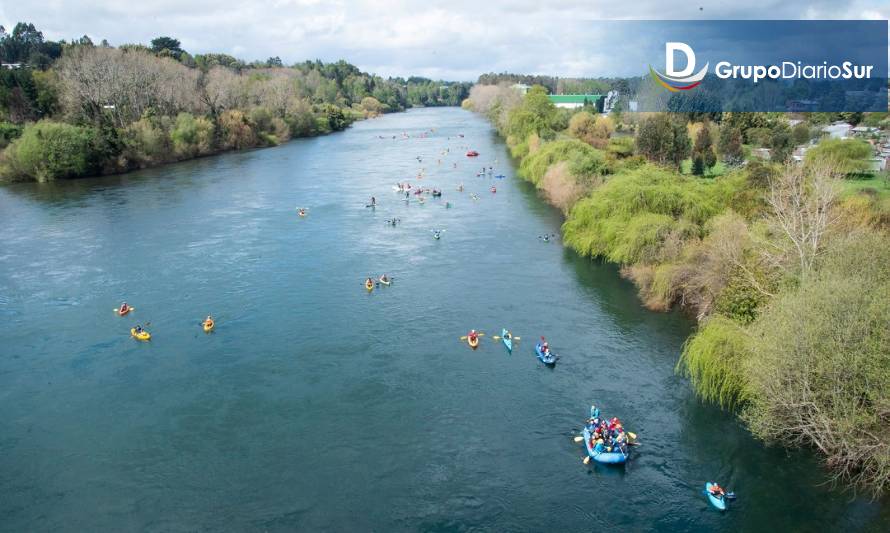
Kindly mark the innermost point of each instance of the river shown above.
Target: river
(317, 405)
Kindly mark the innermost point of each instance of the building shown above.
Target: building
(521, 87)
(838, 130)
(574, 101)
(11, 66)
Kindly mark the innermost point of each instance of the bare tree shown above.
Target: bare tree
(801, 200)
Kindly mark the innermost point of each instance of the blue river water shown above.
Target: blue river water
(318, 405)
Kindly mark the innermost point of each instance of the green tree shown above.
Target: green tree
(800, 133)
(535, 114)
(172, 46)
(730, 144)
(780, 143)
(48, 151)
(703, 156)
(664, 140)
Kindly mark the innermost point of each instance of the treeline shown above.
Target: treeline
(785, 265)
(71, 109)
(557, 85)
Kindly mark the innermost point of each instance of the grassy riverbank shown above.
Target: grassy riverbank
(72, 109)
(787, 268)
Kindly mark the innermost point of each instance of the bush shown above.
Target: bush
(145, 143)
(192, 136)
(594, 131)
(584, 162)
(714, 360)
(820, 365)
(237, 133)
(850, 155)
(628, 218)
(8, 133)
(49, 150)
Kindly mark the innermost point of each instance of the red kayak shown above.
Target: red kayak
(472, 153)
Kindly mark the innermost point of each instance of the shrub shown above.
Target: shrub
(192, 136)
(714, 360)
(49, 150)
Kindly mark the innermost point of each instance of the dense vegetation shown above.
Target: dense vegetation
(785, 265)
(71, 109)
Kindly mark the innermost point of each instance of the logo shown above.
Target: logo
(681, 80)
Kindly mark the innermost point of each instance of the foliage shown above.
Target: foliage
(629, 218)
(730, 145)
(781, 143)
(48, 151)
(703, 155)
(850, 155)
(535, 114)
(714, 360)
(820, 365)
(663, 139)
(191, 136)
(595, 131)
(584, 162)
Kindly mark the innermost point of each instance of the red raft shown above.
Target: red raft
(472, 153)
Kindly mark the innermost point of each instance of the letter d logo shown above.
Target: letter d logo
(669, 50)
(678, 80)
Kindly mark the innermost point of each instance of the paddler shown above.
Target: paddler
(124, 308)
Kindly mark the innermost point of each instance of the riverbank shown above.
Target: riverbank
(94, 110)
(764, 290)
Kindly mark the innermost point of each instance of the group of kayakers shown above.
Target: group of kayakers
(606, 435)
(139, 332)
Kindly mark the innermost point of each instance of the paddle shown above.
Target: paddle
(579, 439)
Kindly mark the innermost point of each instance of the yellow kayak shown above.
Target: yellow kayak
(208, 326)
(369, 286)
(473, 342)
(142, 335)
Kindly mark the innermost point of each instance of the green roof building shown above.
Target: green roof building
(572, 101)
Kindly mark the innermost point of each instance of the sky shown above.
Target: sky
(453, 40)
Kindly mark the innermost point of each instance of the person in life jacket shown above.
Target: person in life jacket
(717, 491)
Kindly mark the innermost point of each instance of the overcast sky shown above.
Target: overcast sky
(455, 40)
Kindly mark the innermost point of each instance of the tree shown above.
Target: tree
(801, 200)
(703, 156)
(780, 143)
(730, 145)
(663, 139)
(172, 46)
(52, 150)
(595, 131)
(800, 133)
(274, 62)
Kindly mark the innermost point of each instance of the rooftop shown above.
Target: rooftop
(574, 98)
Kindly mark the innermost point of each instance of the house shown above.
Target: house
(864, 131)
(761, 153)
(877, 164)
(521, 87)
(11, 66)
(838, 130)
(574, 101)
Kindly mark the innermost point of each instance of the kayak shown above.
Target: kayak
(546, 359)
(208, 326)
(472, 153)
(369, 286)
(142, 336)
(500, 176)
(719, 503)
(387, 283)
(474, 343)
(606, 458)
(125, 311)
(507, 337)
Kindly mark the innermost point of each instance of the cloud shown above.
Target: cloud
(452, 40)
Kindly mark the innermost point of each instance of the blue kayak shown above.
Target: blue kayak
(608, 458)
(546, 359)
(719, 503)
(507, 337)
